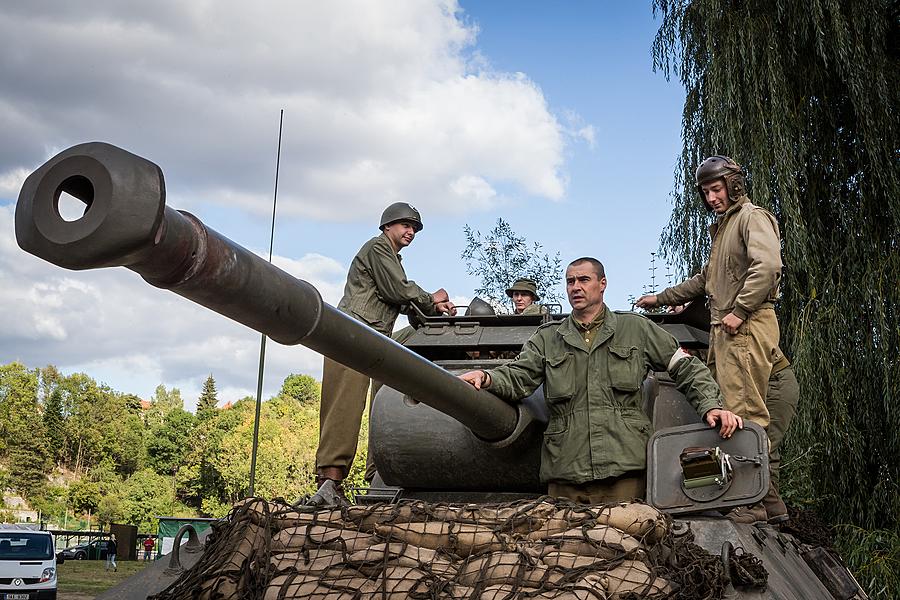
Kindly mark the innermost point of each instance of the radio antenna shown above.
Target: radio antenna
(262, 343)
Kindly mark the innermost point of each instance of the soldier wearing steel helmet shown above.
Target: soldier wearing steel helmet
(375, 292)
(741, 282)
(525, 297)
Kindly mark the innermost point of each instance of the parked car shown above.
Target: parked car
(95, 550)
(27, 563)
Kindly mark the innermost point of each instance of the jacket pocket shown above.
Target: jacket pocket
(625, 368)
(559, 384)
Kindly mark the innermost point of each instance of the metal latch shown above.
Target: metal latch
(703, 467)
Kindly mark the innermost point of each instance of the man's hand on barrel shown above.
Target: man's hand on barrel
(477, 379)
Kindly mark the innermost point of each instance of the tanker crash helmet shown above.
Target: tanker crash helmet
(720, 167)
(479, 308)
(401, 211)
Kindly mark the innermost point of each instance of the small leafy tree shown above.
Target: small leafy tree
(501, 256)
(303, 388)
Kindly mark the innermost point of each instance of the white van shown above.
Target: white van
(27, 563)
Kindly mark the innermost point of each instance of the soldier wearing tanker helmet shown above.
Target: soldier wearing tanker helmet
(524, 296)
(740, 280)
(376, 291)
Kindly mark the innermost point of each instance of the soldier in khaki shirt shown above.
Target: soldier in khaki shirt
(591, 365)
(376, 289)
(741, 282)
(524, 296)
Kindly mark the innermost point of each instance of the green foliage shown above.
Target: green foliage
(51, 502)
(22, 429)
(109, 509)
(54, 426)
(206, 405)
(166, 401)
(805, 96)
(285, 464)
(500, 256)
(121, 467)
(84, 495)
(170, 441)
(147, 494)
(873, 556)
(303, 388)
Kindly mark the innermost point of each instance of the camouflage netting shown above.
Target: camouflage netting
(542, 549)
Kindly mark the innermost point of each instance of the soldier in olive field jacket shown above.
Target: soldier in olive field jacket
(591, 365)
(375, 291)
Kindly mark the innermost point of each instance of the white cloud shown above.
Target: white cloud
(383, 101)
(11, 182)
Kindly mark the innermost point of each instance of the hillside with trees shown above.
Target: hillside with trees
(75, 449)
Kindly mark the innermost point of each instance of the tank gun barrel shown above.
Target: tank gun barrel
(127, 223)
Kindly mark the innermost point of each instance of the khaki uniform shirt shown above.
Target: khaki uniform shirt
(744, 267)
(597, 426)
(532, 309)
(377, 287)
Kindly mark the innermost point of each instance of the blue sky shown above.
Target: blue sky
(545, 114)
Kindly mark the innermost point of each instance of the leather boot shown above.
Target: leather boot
(748, 515)
(776, 510)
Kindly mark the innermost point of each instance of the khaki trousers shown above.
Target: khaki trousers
(344, 393)
(782, 399)
(624, 488)
(742, 364)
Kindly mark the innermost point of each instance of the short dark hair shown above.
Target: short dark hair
(598, 266)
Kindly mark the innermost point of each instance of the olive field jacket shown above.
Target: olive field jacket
(597, 427)
(377, 287)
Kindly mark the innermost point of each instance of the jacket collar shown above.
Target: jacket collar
(572, 336)
(383, 239)
(720, 220)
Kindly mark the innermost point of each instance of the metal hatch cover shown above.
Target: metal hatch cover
(748, 456)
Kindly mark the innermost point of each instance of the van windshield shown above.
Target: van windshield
(25, 546)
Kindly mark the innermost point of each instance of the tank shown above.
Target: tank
(432, 436)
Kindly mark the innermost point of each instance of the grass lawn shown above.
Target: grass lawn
(88, 577)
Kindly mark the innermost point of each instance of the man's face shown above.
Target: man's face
(584, 288)
(522, 300)
(716, 196)
(401, 233)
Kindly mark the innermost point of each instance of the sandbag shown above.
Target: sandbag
(520, 518)
(295, 587)
(311, 563)
(401, 583)
(508, 592)
(371, 560)
(293, 518)
(365, 518)
(632, 576)
(639, 520)
(461, 539)
(599, 540)
(559, 522)
(567, 560)
(499, 568)
(293, 539)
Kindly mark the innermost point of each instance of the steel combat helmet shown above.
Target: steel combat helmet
(721, 167)
(479, 308)
(401, 211)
